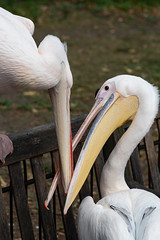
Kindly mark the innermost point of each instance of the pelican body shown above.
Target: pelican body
(122, 213)
(24, 66)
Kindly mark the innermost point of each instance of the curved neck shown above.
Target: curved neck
(112, 178)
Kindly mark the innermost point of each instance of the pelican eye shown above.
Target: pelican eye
(106, 88)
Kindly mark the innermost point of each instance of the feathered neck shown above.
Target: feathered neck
(112, 178)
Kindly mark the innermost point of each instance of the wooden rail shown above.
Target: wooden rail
(28, 172)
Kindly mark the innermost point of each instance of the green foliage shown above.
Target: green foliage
(5, 105)
(27, 8)
(24, 106)
(125, 4)
(115, 2)
(33, 8)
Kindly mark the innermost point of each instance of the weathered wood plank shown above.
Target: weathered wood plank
(158, 128)
(136, 169)
(68, 219)
(41, 190)
(4, 230)
(155, 175)
(85, 190)
(109, 145)
(21, 203)
(98, 166)
(128, 172)
(37, 141)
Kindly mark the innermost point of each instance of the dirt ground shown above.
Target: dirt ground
(100, 45)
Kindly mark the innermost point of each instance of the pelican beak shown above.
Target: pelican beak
(60, 97)
(101, 98)
(116, 111)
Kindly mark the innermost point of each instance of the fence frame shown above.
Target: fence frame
(32, 144)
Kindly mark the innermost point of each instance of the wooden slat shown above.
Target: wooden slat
(85, 190)
(136, 169)
(128, 172)
(158, 128)
(98, 166)
(21, 203)
(41, 190)
(109, 145)
(155, 175)
(4, 230)
(68, 219)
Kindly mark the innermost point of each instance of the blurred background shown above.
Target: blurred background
(105, 38)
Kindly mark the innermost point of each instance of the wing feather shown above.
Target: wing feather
(98, 223)
(27, 22)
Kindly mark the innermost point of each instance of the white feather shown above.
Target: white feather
(23, 65)
(123, 213)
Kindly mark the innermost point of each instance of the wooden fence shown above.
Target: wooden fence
(28, 172)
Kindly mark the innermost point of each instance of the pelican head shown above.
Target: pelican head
(119, 100)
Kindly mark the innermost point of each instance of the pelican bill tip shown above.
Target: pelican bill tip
(65, 210)
(45, 205)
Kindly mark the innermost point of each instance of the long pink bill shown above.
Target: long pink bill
(52, 189)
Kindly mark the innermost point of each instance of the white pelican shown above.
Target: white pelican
(122, 213)
(24, 66)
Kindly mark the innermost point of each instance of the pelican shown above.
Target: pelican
(24, 66)
(122, 213)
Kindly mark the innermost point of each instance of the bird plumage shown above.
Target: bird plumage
(122, 213)
(23, 65)
(128, 214)
(113, 171)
